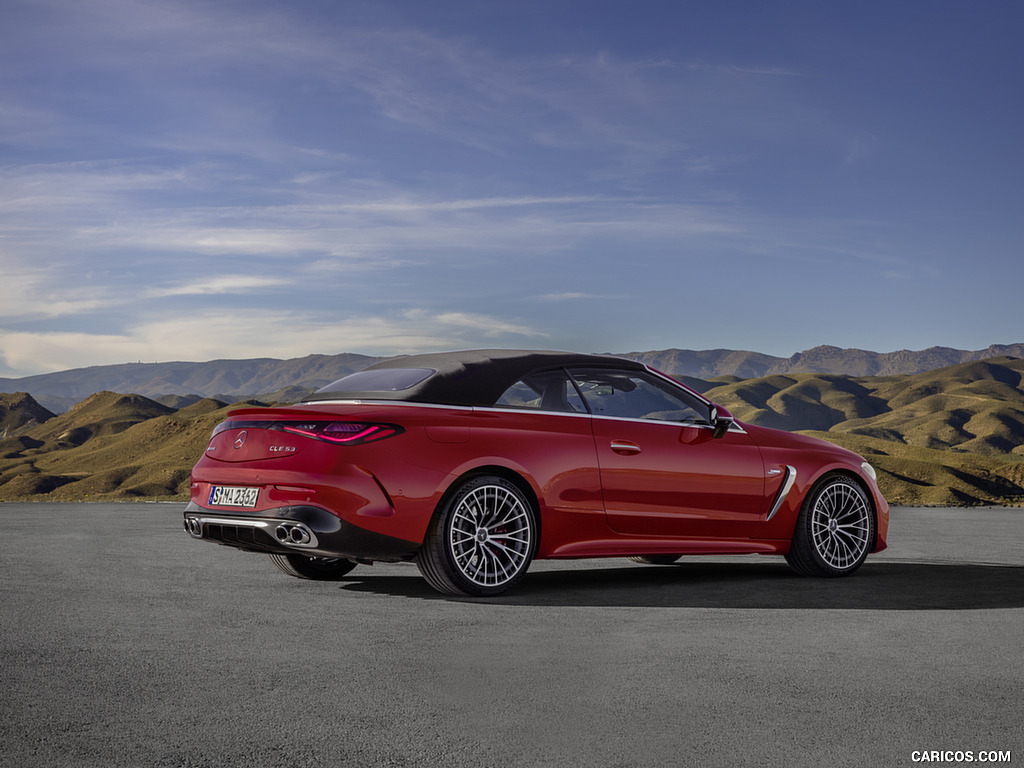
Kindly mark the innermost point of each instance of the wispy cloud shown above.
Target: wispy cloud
(104, 208)
(490, 327)
(410, 205)
(570, 296)
(283, 334)
(222, 284)
(26, 296)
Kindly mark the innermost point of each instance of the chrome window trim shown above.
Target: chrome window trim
(407, 403)
(534, 411)
(487, 408)
(734, 427)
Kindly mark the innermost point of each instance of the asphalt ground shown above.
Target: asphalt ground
(125, 643)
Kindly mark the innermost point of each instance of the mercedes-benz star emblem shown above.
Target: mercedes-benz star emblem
(240, 440)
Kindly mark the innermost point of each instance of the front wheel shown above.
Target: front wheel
(834, 531)
(317, 568)
(481, 541)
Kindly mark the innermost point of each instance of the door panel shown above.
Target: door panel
(663, 473)
(662, 479)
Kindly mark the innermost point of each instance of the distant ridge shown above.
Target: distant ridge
(714, 363)
(216, 378)
(58, 391)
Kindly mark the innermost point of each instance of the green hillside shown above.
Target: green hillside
(949, 436)
(976, 407)
(109, 447)
(911, 475)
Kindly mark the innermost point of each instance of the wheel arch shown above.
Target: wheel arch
(506, 473)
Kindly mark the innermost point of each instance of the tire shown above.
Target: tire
(481, 540)
(655, 559)
(317, 568)
(835, 529)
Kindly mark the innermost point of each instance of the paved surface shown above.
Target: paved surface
(124, 643)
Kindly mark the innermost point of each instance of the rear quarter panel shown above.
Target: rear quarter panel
(393, 486)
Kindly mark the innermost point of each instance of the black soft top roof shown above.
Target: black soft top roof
(471, 377)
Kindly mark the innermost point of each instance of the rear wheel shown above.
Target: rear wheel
(834, 531)
(655, 559)
(481, 541)
(318, 568)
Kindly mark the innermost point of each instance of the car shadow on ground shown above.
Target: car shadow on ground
(877, 586)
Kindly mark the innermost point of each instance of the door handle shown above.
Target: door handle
(625, 447)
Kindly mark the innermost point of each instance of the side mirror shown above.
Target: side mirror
(720, 420)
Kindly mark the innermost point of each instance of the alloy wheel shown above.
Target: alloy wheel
(840, 525)
(490, 535)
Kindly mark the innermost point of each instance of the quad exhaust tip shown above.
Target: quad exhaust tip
(291, 534)
(297, 535)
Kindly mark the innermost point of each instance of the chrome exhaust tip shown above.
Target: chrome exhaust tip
(293, 535)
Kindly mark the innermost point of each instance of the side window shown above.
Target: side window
(546, 391)
(637, 395)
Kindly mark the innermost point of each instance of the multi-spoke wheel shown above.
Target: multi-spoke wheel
(481, 541)
(318, 568)
(835, 530)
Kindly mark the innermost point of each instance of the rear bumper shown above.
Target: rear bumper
(295, 530)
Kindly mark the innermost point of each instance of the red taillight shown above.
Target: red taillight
(341, 432)
(338, 432)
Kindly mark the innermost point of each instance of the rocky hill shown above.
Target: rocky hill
(109, 447)
(19, 412)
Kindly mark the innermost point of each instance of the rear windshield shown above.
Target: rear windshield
(380, 380)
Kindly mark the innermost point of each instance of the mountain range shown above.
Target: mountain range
(954, 435)
(232, 379)
(710, 364)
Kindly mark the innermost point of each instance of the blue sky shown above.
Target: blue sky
(202, 180)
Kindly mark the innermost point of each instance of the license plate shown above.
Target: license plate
(230, 496)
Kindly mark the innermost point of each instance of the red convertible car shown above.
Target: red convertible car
(475, 463)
